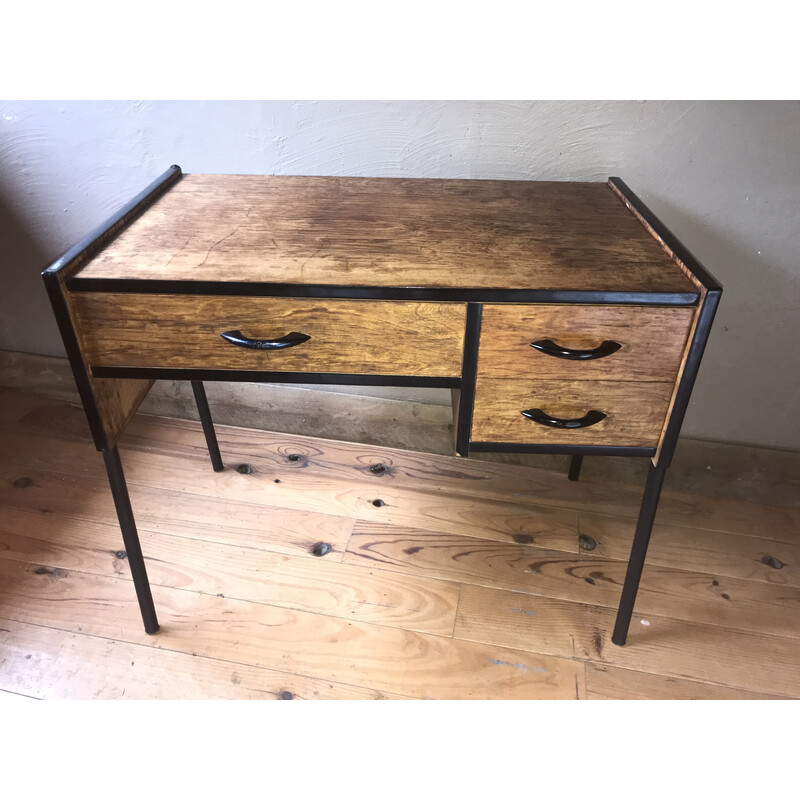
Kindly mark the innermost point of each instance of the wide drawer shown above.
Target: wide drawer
(634, 412)
(345, 336)
(626, 343)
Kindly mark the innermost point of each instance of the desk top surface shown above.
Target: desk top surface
(390, 232)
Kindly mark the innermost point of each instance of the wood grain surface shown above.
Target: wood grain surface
(253, 572)
(351, 336)
(667, 249)
(682, 591)
(295, 642)
(53, 664)
(612, 683)
(84, 498)
(653, 341)
(707, 652)
(115, 401)
(436, 598)
(392, 232)
(47, 420)
(681, 369)
(634, 411)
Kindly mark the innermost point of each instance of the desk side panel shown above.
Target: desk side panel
(690, 364)
(109, 403)
(709, 290)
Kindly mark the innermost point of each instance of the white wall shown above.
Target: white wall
(724, 176)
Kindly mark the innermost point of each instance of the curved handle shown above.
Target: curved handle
(550, 348)
(590, 418)
(240, 340)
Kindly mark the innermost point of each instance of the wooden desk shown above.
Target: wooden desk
(564, 317)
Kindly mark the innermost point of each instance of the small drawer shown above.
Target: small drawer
(579, 342)
(633, 413)
(337, 336)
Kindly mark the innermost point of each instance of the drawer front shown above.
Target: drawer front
(652, 340)
(345, 336)
(634, 411)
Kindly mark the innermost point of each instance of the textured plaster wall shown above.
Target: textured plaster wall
(725, 176)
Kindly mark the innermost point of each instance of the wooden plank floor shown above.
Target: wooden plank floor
(445, 578)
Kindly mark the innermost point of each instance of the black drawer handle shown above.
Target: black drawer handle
(550, 348)
(590, 418)
(240, 340)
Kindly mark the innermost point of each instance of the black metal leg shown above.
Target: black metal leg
(133, 549)
(208, 425)
(575, 468)
(644, 526)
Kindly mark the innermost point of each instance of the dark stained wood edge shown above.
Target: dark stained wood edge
(455, 404)
(54, 280)
(710, 294)
(688, 376)
(668, 241)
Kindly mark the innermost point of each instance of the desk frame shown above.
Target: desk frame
(59, 278)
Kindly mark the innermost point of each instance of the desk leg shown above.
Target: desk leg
(644, 526)
(133, 549)
(208, 425)
(575, 468)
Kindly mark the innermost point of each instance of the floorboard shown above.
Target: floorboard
(311, 645)
(442, 578)
(353, 592)
(674, 648)
(48, 663)
(612, 683)
(692, 596)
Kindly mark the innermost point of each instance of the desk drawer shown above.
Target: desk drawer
(344, 336)
(651, 342)
(634, 411)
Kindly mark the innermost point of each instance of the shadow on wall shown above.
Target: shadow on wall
(26, 318)
(751, 366)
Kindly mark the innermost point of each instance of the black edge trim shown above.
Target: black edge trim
(666, 236)
(84, 249)
(259, 376)
(246, 289)
(693, 359)
(469, 371)
(561, 449)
